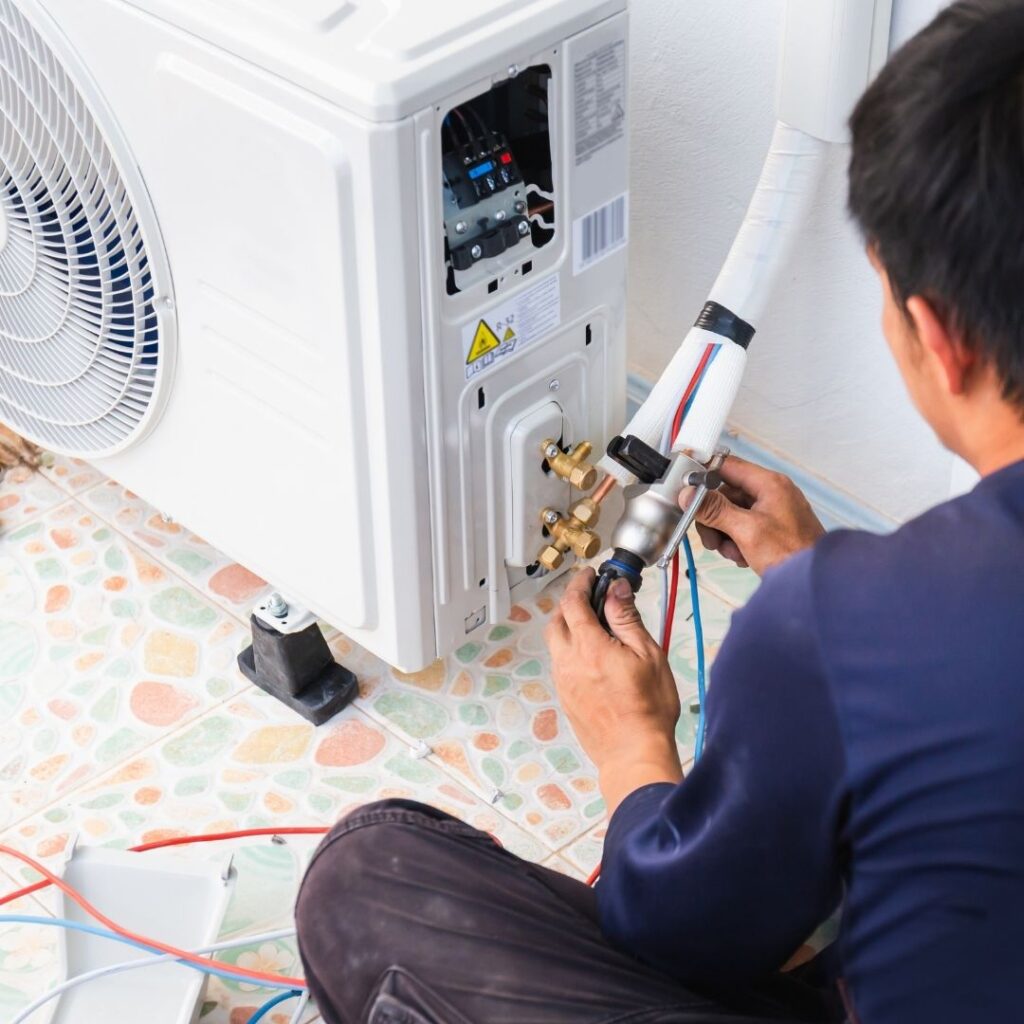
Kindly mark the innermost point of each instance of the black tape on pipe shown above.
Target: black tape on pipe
(724, 322)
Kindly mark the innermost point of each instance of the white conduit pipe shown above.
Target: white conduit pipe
(762, 249)
(776, 213)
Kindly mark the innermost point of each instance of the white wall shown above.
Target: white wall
(821, 388)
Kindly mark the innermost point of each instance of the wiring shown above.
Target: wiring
(485, 132)
(273, 980)
(188, 959)
(663, 573)
(131, 965)
(303, 1003)
(698, 631)
(446, 128)
(283, 997)
(670, 608)
(161, 844)
(698, 375)
(465, 124)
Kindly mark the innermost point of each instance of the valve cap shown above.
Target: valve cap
(583, 477)
(551, 558)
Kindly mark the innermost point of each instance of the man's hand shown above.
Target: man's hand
(618, 691)
(15, 450)
(757, 518)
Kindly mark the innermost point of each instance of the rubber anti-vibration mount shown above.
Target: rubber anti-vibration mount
(299, 670)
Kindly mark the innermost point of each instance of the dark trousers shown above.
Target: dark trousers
(410, 916)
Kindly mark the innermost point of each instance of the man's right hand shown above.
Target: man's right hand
(757, 518)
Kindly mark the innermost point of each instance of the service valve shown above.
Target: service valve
(571, 465)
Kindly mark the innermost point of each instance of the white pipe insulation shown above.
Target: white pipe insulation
(831, 49)
(745, 285)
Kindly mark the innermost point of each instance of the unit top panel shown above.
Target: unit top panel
(381, 59)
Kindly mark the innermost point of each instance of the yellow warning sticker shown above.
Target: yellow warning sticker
(506, 329)
(484, 341)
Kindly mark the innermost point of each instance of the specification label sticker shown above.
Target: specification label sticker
(599, 80)
(512, 326)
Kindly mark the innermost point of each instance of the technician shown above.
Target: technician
(866, 713)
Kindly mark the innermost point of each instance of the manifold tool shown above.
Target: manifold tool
(653, 523)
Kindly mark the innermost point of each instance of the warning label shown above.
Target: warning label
(599, 80)
(512, 326)
(484, 341)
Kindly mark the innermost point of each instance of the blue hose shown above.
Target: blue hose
(698, 631)
(281, 997)
(103, 933)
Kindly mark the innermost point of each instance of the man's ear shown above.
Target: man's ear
(953, 358)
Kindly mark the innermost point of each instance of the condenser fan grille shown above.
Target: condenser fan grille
(82, 336)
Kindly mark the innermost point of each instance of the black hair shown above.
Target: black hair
(937, 177)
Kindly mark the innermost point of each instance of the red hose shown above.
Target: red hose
(211, 837)
(163, 947)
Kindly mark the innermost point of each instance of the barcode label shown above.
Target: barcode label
(600, 233)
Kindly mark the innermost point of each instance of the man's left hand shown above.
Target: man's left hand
(618, 691)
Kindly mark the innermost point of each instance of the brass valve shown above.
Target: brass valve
(571, 465)
(570, 534)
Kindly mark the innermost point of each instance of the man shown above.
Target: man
(866, 714)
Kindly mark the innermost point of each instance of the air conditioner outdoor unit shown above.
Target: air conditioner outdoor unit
(318, 278)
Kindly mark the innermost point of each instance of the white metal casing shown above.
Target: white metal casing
(319, 427)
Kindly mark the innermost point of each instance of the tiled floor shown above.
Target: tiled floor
(123, 719)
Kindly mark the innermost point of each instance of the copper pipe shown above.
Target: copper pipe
(605, 488)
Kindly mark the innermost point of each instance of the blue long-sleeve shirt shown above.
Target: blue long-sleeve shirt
(866, 743)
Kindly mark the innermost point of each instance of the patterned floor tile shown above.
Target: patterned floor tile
(28, 955)
(250, 763)
(558, 863)
(101, 653)
(224, 581)
(722, 578)
(24, 495)
(490, 714)
(71, 475)
(585, 853)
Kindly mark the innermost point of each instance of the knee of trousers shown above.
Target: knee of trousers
(351, 864)
(366, 877)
